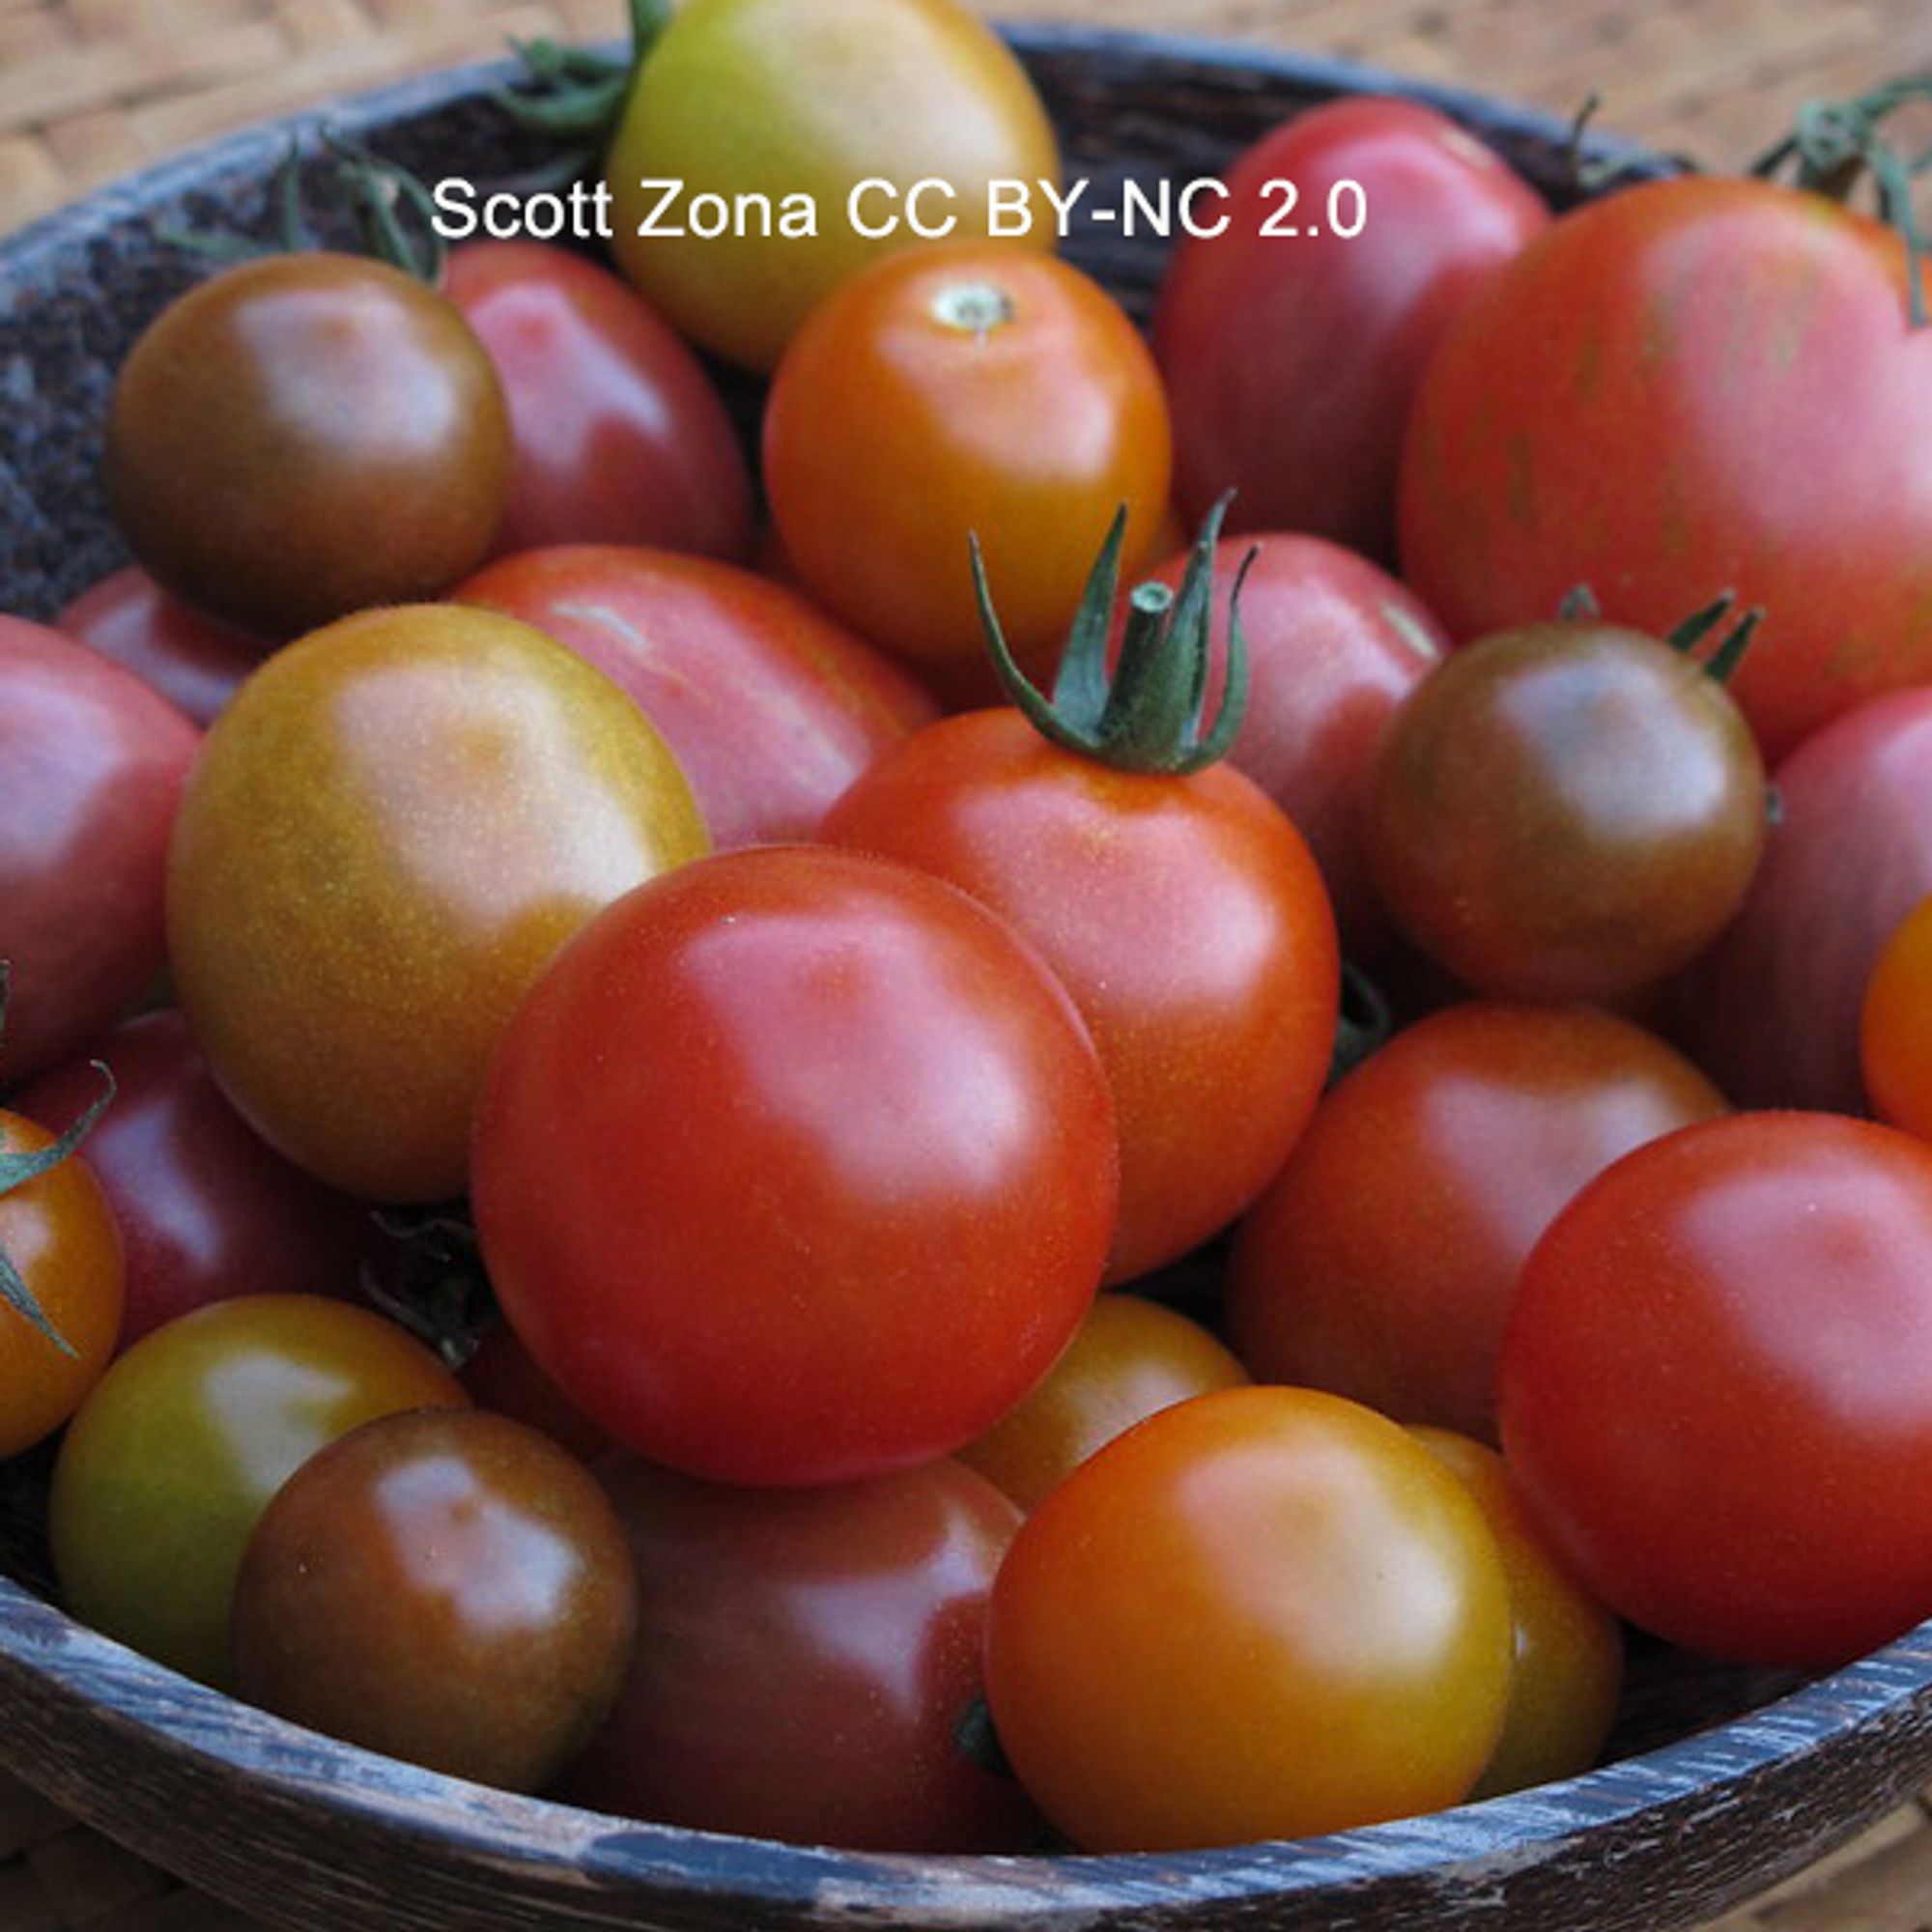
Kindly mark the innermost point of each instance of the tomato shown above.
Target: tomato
(390, 830)
(809, 98)
(1381, 1261)
(192, 660)
(1848, 855)
(1566, 811)
(444, 1585)
(169, 1462)
(1594, 417)
(1130, 1357)
(1334, 645)
(92, 764)
(206, 1209)
(965, 389)
(1292, 355)
(619, 435)
(1185, 916)
(306, 435)
(1262, 1613)
(58, 1233)
(806, 1662)
(771, 708)
(1716, 1387)
(1895, 1027)
(1569, 1668)
(834, 1206)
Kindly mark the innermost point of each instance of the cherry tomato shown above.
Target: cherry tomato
(1334, 645)
(170, 1461)
(206, 1209)
(92, 765)
(811, 98)
(1569, 1668)
(1895, 1025)
(1716, 1387)
(966, 390)
(1185, 916)
(193, 661)
(1262, 1613)
(833, 1207)
(304, 436)
(1848, 855)
(1381, 1261)
(1130, 1357)
(1294, 342)
(769, 706)
(1567, 811)
(806, 1660)
(619, 435)
(444, 1585)
(1593, 416)
(58, 1230)
(393, 827)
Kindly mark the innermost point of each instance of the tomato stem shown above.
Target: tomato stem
(579, 92)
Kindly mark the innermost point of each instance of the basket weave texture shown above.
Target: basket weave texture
(94, 89)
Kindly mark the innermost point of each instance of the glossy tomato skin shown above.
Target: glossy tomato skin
(969, 388)
(1130, 1357)
(193, 661)
(1566, 811)
(392, 828)
(1334, 645)
(1381, 1261)
(812, 96)
(167, 1468)
(1716, 1387)
(804, 1660)
(59, 1232)
(619, 435)
(306, 435)
(1895, 1037)
(444, 1585)
(206, 1208)
(1593, 417)
(771, 707)
(853, 1178)
(1262, 1613)
(1291, 358)
(1847, 857)
(1184, 915)
(92, 762)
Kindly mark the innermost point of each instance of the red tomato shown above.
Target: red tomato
(1381, 1261)
(192, 660)
(618, 436)
(1594, 417)
(1185, 916)
(1291, 357)
(771, 707)
(1334, 645)
(805, 1658)
(1772, 1009)
(207, 1208)
(92, 766)
(1262, 1613)
(961, 388)
(1717, 1386)
(854, 1177)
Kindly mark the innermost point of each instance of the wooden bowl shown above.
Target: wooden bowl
(1720, 1782)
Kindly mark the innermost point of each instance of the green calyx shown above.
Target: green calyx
(1579, 606)
(1148, 715)
(577, 94)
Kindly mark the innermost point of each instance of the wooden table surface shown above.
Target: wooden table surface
(91, 89)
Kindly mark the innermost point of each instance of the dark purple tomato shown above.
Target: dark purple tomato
(806, 1661)
(191, 660)
(443, 1584)
(207, 1208)
(92, 765)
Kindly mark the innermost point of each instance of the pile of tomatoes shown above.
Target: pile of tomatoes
(682, 1139)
